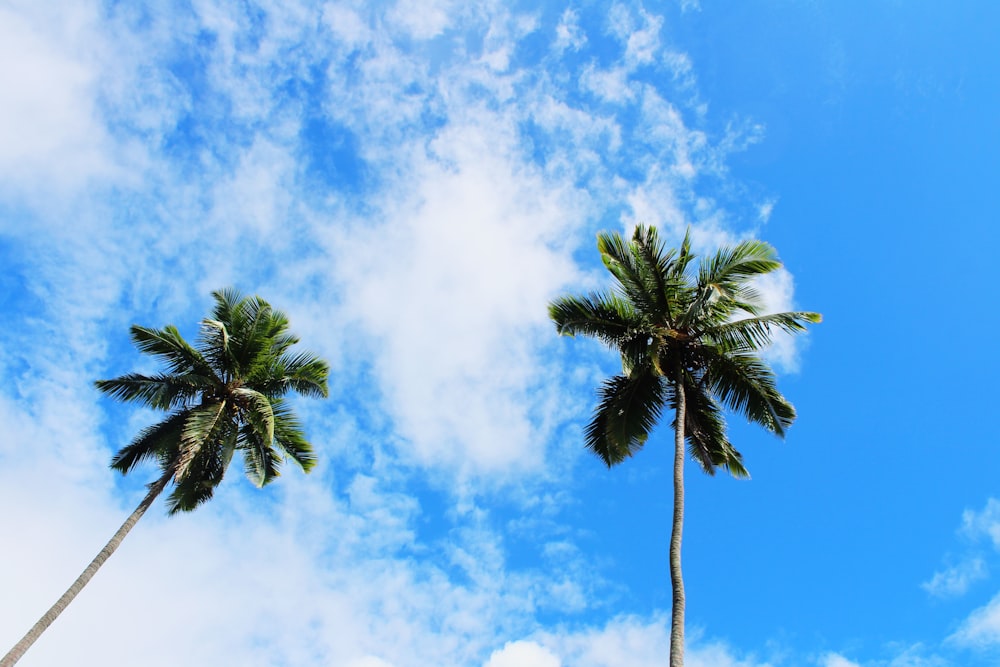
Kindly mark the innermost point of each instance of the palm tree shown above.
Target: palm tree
(688, 341)
(222, 396)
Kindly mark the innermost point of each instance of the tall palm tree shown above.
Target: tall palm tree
(690, 342)
(221, 396)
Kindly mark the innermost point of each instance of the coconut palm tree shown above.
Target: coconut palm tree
(689, 341)
(221, 396)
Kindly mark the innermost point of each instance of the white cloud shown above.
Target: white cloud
(777, 290)
(982, 627)
(452, 285)
(971, 567)
(422, 19)
(49, 116)
(955, 581)
(985, 523)
(523, 654)
(837, 660)
(569, 35)
(638, 642)
(609, 84)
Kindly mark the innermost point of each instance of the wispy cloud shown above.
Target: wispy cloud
(982, 627)
(955, 581)
(971, 566)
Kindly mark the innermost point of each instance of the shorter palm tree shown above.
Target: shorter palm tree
(688, 341)
(223, 396)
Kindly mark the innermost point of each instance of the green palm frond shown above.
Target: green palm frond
(281, 342)
(255, 410)
(260, 461)
(154, 442)
(653, 262)
(205, 472)
(705, 432)
(621, 260)
(733, 265)
(304, 373)
(748, 386)
(160, 392)
(628, 411)
(606, 317)
(214, 338)
(755, 333)
(203, 429)
(168, 344)
(289, 436)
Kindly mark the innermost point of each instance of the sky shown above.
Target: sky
(412, 183)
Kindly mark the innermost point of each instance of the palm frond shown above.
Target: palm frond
(260, 461)
(705, 433)
(747, 385)
(168, 344)
(160, 392)
(628, 410)
(203, 430)
(653, 262)
(204, 474)
(679, 266)
(732, 265)
(255, 409)
(606, 317)
(290, 437)
(152, 442)
(755, 333)
(622, 261)
(303, 373)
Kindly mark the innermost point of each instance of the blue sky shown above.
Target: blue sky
(412, 182)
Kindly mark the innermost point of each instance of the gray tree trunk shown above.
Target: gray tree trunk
(676, 580)
(52, 614)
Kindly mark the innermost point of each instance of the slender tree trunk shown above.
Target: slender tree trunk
(676, 580)
(45, 621)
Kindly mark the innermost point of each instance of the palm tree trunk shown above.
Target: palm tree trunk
(676, 580)
(45, 621)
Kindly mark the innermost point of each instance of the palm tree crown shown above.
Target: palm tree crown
(690, 341)
(674, 327)
(223, 395)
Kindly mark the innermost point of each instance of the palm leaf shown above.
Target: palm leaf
(621, 260)
(205, 472)
(608, 318)
(290, 437)
(628, 410)
(203, 430)
(730, 266)
(705, 433)
(255, 410)
(160, 392)
(303, 372)
(747, 385)
(152, 442)
(168, 344)
(754, 333)
(260, 463)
